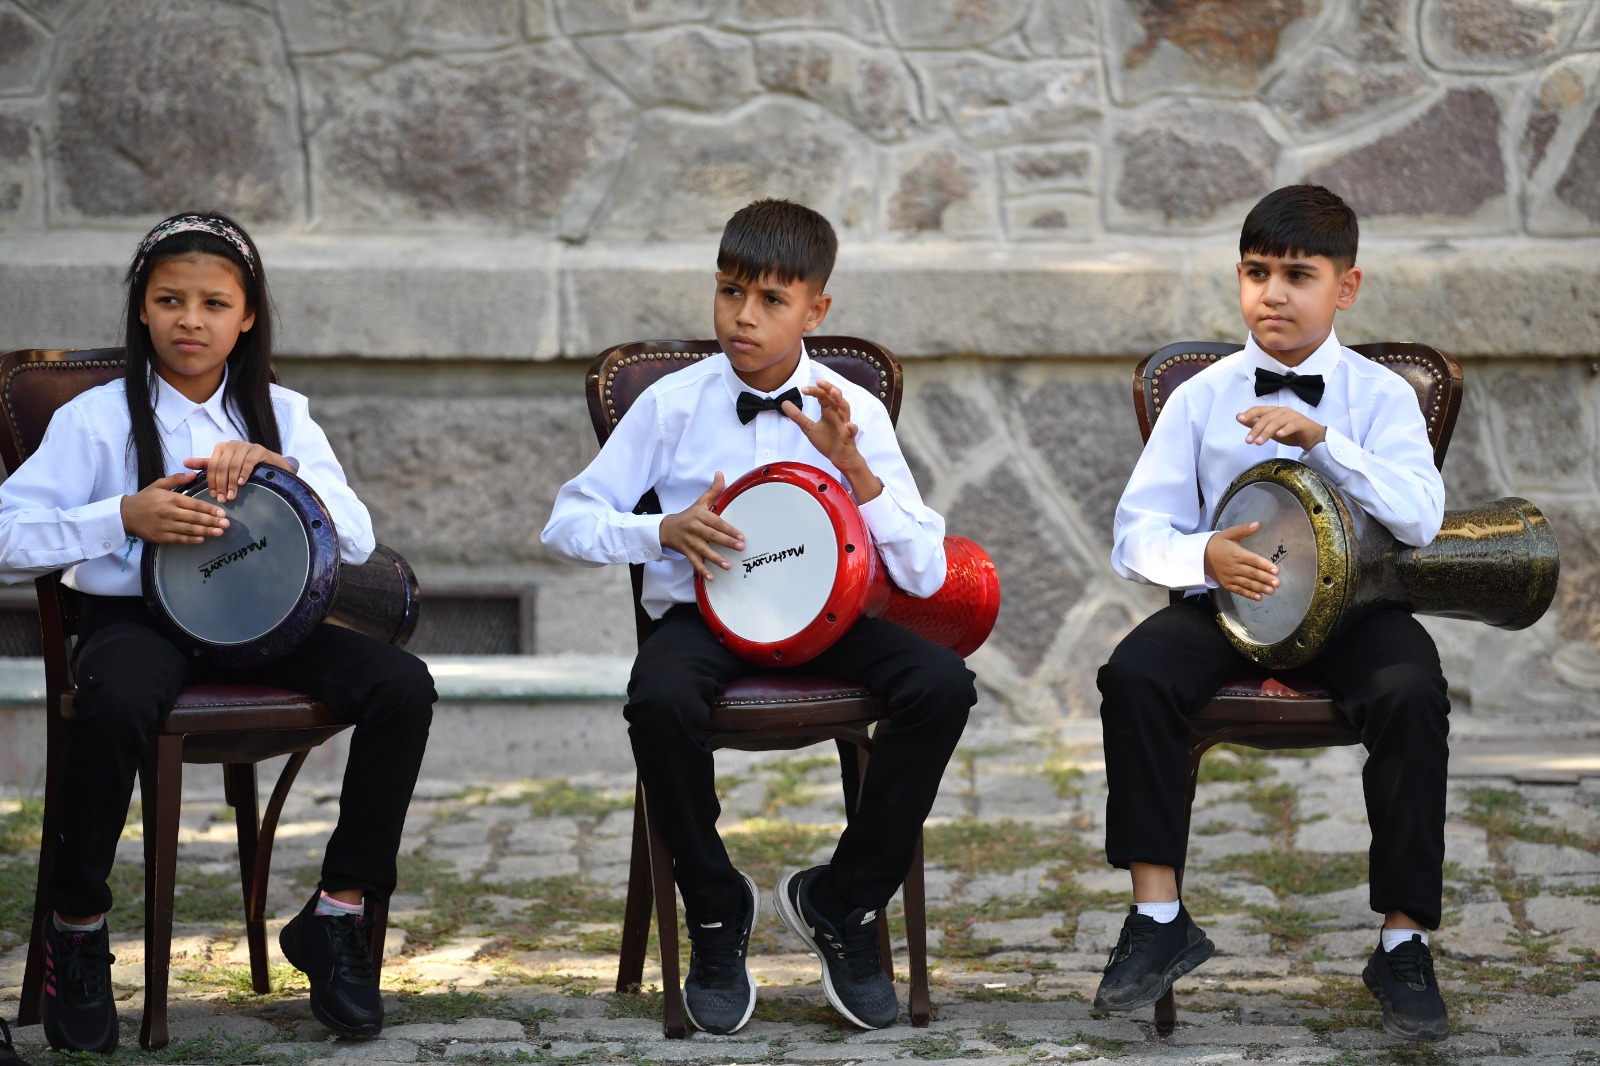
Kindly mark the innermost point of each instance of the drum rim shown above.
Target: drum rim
(856, 569)
(1335, 564)
(322, 577)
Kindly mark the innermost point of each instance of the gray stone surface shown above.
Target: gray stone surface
(1176, 48)
(1190, 163)
(1496, 35)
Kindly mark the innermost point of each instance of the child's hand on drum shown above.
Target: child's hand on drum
(692, 531)
(230, 466)
(158, 514)
(1282, 424)
(834, 435)
(1237, 568)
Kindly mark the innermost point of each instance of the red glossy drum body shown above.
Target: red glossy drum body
(809, 572)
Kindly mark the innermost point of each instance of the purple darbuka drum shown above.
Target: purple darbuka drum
(252, 595)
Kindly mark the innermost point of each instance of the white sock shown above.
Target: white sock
(1161, 912)
(91, 927)
(1393, 938)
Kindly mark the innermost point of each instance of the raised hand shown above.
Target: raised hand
(834, 435)
(159, 515)
(1237, 568)
(692, 531)
(1281, 424)
(230, 465)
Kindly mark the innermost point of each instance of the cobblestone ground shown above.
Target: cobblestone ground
(503, 942)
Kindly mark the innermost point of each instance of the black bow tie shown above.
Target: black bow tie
(750, 405)
(1308, 387)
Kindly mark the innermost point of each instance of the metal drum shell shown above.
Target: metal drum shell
(1336, 570)
(317, 592)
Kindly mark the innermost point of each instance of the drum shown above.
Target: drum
(255, 593)
(1496, 564)
(809, 571)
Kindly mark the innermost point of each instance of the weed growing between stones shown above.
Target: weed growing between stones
(764, 848)
(791, 782)
(1340, 1003)
(453, 1005)
(1290, 928)
(548, 797)
(234, 982)
(1297, 873)
(1507, 815)
(1233, 762)
(212, 1049)
(974, 847)
(930, 1046)
(799, 1010)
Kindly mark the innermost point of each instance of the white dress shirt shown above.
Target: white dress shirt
(1376, 454)
(62, 509)
(682, 431)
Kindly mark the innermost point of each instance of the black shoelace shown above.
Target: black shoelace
(1135, 935)
(85, 974)
(856, 946)
(351, 942)
(719, 953)
(1412, 964)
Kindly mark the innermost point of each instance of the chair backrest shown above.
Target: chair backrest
(621, 374)
(1433, 374)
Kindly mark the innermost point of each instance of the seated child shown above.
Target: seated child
(197, 395)
(1293, 393)
(685, 437)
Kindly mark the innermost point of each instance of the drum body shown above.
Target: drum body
(809, 572)
(252, 595)
(1496, 564)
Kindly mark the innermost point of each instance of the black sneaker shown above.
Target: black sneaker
(332, 950)
(718, 994)
(79, 1013)
(1403, 981)
(1149, 956)
(852, 969)
(8, 1054)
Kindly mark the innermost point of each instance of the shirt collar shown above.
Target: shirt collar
(1322, 361)
(799, 379)
(173, 408)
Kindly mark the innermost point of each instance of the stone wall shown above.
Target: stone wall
(459, 202)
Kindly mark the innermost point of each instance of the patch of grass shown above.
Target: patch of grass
(452, 902)
(556, 904)
(21, 821)
(764, 848)
(1297, 873)
(551, 796)
(235, 982)
(1289, 927)
(1233, 762)
(1340, 1003)
(1504, 814)
(644, 1003)
(976, 847)
(454, 1005)
(788, 782)
(937, 1046)
(796, 1010)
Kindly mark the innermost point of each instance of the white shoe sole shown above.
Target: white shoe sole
(791, 918)
(750, 1007)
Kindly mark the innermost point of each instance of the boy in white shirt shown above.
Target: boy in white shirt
(761, 401)
(1358, 425)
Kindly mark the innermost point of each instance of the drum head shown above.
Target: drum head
(1287, 538)
(785, 575)
(248, 596)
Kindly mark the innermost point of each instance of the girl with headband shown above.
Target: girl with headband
(198, 395)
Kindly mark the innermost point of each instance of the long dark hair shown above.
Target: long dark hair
(248, 399)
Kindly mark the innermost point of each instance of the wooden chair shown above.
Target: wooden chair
(1289, 709)
(235, 725)
(766, 711)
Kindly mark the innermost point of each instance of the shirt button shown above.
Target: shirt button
(106, 544)
(767, 453)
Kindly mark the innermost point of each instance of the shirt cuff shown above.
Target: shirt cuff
(886, 520)
(1332, 458)
(640, 537)
(100, 530)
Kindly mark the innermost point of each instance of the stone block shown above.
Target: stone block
(991, 101)
(1056, 168)
(951, 23)
(941, 190)
(1160, 49)
(702, 170)
(1052, 217)
(1062, 28)
(1467, 846)
(1575, 189)
(1098, 931)
(1574, 919)
(1379, 29)
(1480, 931)
(1081, 424)
(684, 66)
(1190, 164)
(1021, 934)
(541, 836)
(318, 25)
(846, 16)
(1239, 937)
(523, 138)
(162, 62)
(1535, 859)
(1551, 444)
(1483, 36)
(24, 52)
(445, 24)
(475, 1030)
(869, 87)
(1445, 164)
(1331, 91)
(21, 171)
(601, 16)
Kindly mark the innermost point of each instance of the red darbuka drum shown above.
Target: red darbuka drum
(809, 571)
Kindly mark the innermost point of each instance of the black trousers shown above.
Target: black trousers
(128, 676)
(1385, 675)
(927, 691)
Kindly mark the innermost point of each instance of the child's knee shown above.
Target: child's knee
(668, 702)
(1407, 696)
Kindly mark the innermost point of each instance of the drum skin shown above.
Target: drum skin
(959, 616)
(1497, 564)
(378, 597)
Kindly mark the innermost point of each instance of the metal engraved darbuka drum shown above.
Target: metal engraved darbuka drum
(809, 572)
(255, 593)
(1496, 564)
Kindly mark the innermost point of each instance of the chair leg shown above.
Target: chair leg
(162, 784)
(918, 1006)
(240, 782)
(378, 915)
(857, 757)
(636, 914)
(30, 1011)
(1166, 1014)
(673, 1023)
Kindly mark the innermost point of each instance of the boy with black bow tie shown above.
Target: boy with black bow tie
(762, 400)
(1293, 393)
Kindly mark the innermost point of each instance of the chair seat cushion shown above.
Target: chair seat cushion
(1288, 685)
(226, 706)
(785, 700)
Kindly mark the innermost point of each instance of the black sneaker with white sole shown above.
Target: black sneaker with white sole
(1149, 956)
(852, 969)
(718, 994)
(1403, 981)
